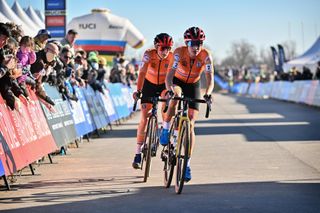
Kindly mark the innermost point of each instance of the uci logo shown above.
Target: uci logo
(90, 26)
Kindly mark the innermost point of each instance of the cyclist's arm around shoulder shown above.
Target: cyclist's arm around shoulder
(209, 71)
(174, 65)
(143, 70)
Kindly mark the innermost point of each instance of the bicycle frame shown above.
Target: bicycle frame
(183, 117)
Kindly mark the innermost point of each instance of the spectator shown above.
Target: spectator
(306, 73)
(4, 35)
(26, 57)
(317, 75)
(102, 73)
(16, 31)
(9, 87)
(41, 39)
(69, 40)
(43, 67)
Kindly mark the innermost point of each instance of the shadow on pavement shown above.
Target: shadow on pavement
(228, 197)
(305, 122)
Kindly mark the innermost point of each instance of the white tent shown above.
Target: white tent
(3, 18)
(40, 14)
(105, 32)
(34, 17)
(6, 10)
(23, 16)
(309, 59)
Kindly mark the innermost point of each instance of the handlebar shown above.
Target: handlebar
(195, 100)
(152, 99)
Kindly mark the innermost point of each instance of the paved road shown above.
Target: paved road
(251, 156)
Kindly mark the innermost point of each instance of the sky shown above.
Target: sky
(262, 23)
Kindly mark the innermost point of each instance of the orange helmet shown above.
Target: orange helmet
(194, 34)
(164, 40)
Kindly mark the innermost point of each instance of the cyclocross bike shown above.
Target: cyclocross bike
(177, 152)
(151, 141)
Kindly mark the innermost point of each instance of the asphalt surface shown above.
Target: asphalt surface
(251, 155)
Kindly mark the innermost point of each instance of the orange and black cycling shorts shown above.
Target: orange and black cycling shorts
(151, 90)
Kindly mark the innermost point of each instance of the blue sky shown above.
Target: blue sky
(262, 23)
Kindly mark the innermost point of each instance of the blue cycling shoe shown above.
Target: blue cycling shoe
(164, 137)
(187, 177)
(136, 164)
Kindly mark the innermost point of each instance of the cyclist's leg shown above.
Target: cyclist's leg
(193, 115)
(164, 137)
(192, 91)
(147, 91)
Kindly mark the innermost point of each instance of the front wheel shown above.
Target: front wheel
(150, 139)
(183, 152)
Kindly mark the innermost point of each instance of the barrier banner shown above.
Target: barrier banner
(316, 99)
(119, 100)
(25, 135)
(311, 95)
(1, 169)
(107, 102)
(60, 120)
(127, 93)
(81, 115)
(96, 109)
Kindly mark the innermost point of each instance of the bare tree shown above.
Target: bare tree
(242, 53)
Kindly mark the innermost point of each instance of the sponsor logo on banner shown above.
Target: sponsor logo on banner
(55, 21)
(55, 5)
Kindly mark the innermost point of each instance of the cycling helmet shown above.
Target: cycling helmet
(194, 34)
(163, 39)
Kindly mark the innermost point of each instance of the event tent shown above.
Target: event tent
(3, 18)
(7, 12)
(35, 18)
(309, 59)
(24, 17)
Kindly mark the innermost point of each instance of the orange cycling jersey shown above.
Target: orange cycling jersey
(188, 70)
(155, 69)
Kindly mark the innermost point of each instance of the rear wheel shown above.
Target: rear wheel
(183, 148)
(169, 159)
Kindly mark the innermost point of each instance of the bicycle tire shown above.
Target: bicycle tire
(151, 137)
(182, 156)
(169, 162)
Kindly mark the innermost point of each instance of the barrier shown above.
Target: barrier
(25, 135)
(119, 100)
(307, 92)
(81, 115)
(98, 113)
(1, 169)
(60, 121)
(34, 131)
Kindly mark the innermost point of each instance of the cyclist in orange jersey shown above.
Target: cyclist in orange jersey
(156, 63)
(184, 77)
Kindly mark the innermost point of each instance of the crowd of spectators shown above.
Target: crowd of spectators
(27, 62)
(261, 74)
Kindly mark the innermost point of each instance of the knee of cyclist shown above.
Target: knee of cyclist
(177, 91)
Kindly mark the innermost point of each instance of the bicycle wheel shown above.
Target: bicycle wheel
(168, 157)
(150, 139)
(183, 147)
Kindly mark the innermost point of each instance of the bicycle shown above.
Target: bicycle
(178, 152)
(151, 141)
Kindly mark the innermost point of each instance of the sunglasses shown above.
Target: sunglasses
(67, 57)
(163, 48)
(194, 43)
